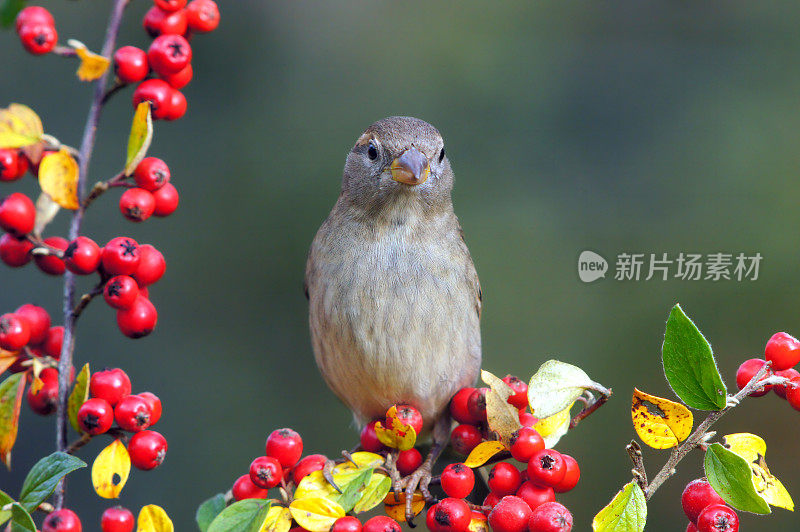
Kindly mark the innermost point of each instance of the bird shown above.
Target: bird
(394, 297)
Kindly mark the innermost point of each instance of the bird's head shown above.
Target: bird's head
(398, 160)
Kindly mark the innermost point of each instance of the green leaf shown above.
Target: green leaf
(376, 490)
(21, 520)
(627, 511)
(210, 509)
(5, 515)
(11, 392)
(555, 386)
(246, 515)
(730, 476)
(689, 364)
(353, 490)
(9, 10)
(79, 395)
(140, 138)
(44, 476)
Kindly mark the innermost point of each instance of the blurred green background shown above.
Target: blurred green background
(635, 127)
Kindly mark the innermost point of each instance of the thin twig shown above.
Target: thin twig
(639, 473)
(591, 406)
(64, 51)
(87, 147)
(118, 85)
(86, 299)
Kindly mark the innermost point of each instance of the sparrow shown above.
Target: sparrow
(394, 298)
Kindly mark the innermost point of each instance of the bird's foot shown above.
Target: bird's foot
(405, 488)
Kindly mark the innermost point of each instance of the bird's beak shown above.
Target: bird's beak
(411, 168)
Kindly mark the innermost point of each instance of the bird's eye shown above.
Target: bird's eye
(372, 152)
(441, 155)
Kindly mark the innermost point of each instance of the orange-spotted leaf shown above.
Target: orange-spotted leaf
(478, 524)
(153, 518)
(140, 138)
(93, 65)
(20, 126)
(315, 513)
(397, 435)
(79, 395)
(395, 506)
(483, 452)
(11, 391)
(110, 471)
(502, 417)
(754, 449)
(7, 359)
(58, 177)
(659, 422)
(279, 519)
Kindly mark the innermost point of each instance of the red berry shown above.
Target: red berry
(408, 415)
(202, 16)
(718, 518)
(95, 416)
(476, 404)
(408, 461)
(458, 406)
(525, 442)
(55, 339)
(43, 400)
(151, 266)
(148, 449)
(491, 500)
(13, 165)
(511, 514)
(379, 523)
(171, 5)
(266, 472)
(504, 479)
(121, 292)
(571, 477)
(151, 174)
(790, 374)
(156, 91)
(63, 520)
(15, 252)
(154, 403)
(137, 204)
(306, 466)
(139, 320)
(286, 445)
(347, 523)
(369, 438)
(177, 105)
(520, 397)
(464, 438)
(132, 413)
(34, 15)
(547, 468)
(550, 517)
(244, 488)
(17, 214)
(169, 54)
(528, 420)
(113, 385)
(783, 350)
(120, 256)
(82, 256)
(691, 528)
(166, 200)
(747, 371)
(50, 264)
(457, 480)
(535, 495)
(117, 519)
(157, 22)
(15, 332)
(38, 322)
(37, 38)
(793, 393)
(179, 79)
(130, 64)
(696, 496)
(449, 515)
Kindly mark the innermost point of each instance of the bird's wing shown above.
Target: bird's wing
(472, 274)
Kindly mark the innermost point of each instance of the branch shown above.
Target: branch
(87, 147)
(591, 405)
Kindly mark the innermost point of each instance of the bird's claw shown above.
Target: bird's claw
(327, 473)
(418, 480)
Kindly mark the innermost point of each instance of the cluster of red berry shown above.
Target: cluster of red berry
(115, 519)
(706, 510)
(153, 194)
(783, 351)
(36, 29)
(172, 23)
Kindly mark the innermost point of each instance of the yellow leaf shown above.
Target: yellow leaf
(46, 210)
(153, 518)
(315, 513)
(314, 485)
(110, 472)
(140, 138)
(58, 177)
(398, 435)
(754, 449)
(79, 395)
(93, 66)
(659, 422)
(483, 452)
(502, 417)
(552, 428)
(20, 126)
(374, 492)
(395, 507)
(279, 519)
(360, 460)
(7, 359)
(11, 391)
(478, 524)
